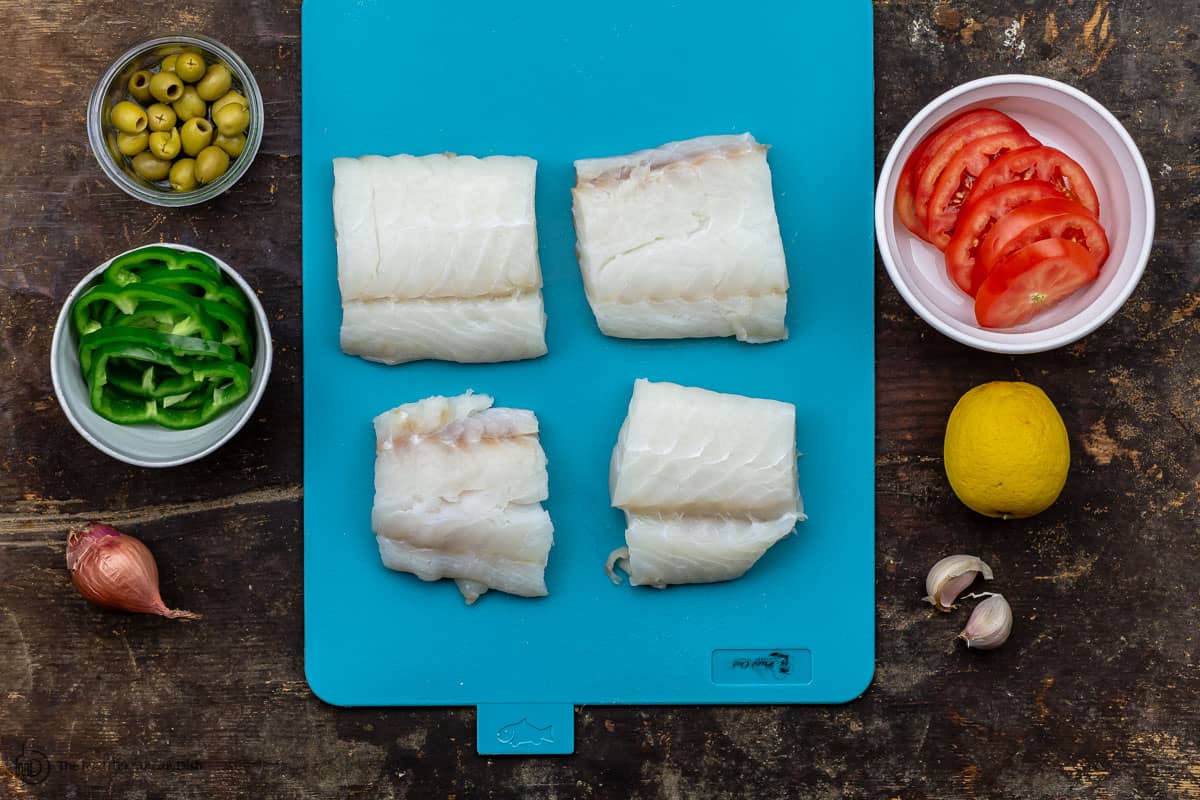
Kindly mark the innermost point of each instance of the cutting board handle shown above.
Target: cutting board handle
(525, 729)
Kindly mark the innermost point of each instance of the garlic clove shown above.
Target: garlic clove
(989, 624)
(950, 576)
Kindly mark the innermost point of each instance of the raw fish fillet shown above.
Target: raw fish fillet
(458, 491)
(468, 331)
(437, 258)
(682, 241)
(707, 481)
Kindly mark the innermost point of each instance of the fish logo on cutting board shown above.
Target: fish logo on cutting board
(523, 732)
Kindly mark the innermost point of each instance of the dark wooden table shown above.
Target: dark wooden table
(1095, 696)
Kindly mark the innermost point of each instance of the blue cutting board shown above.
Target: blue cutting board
(560, 81)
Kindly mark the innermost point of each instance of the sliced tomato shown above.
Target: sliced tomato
(1045, 164)
(1031, 280)
(942, 145)
(1052, 218)
(906, 187)
(954, 184)
(977, 218)
(955, 132)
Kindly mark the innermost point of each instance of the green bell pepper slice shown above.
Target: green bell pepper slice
(236, 333)
(157, 317)
(194, 399)
(205, 318)
(182, 347)
(127, 299)
(127, 269)
(137, 382)
(225, 384)
(210, 289)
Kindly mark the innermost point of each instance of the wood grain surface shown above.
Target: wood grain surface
(1095, 696)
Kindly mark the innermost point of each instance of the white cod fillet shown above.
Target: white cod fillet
(437, 258)
(458, 491)
(682, 241)
(707, 481)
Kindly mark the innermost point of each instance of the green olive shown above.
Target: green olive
(189, 105)
(165, 145)
(130, 144)
(197, 134)
(216, 82)
(129, 117)
(232, 119)
(149, 167)
(190, 67)
(211, 163)
(183, 175)
(166, 87)
(162, 117)
(168, 63)
(139, 86)
(227, 98)
(234, 145)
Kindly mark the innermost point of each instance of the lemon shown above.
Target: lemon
(1006, 450)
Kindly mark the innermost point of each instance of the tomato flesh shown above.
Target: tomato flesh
(906, 186)
(1051, 218)
(949, 132)
(943, 146)
(977, 218)
(1018, 222)
(952, 187)
(1041, 163)
(1031, 280)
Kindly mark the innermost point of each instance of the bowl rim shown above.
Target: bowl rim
(258, 383)
(239, 167)
(1069, 330)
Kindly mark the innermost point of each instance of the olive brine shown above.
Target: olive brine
(183, 123)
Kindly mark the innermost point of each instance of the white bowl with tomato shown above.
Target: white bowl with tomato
(1014, 214)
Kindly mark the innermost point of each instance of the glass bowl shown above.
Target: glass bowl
(111, 88)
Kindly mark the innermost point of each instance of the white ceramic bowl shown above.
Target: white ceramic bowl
(151, 445)
(1059, 116)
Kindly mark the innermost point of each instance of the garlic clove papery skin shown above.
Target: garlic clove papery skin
(949, 577)
(989, 625)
